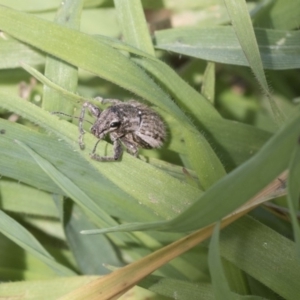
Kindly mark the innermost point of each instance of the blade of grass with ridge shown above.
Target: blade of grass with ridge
(58, 71)
(219, 281)
(243, 27)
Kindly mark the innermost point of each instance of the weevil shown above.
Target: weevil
(130, 123)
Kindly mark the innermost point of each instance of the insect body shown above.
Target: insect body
(130, 123)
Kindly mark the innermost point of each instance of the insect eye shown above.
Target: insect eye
(115, 124)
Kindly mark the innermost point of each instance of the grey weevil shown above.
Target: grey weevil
(130, 123)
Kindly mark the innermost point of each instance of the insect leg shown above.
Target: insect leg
(95, 111)
(117, 149)
(117, 152)
(130, 146)
(80, 126)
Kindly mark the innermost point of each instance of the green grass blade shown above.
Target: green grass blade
(178, 288)
(21, 198)
(219, 281)
(280, 15)
(236, 278)
(200, 159)
(46, 81)
(279, 49)
(209, 81)
(58, 71)
(185, 290)
(17, 233)
(134, 26)
(243, 28)
(12, 52)
(257, 250)
(90, 253)
(242, 25)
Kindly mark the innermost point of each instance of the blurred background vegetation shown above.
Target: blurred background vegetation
(224, 75)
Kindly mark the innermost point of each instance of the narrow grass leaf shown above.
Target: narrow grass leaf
(58, 71)
(15, 163)
(24, 199)
(236, 278)
(17, 233)
(243, 28)
(90, 253)
(208, 84)
(178, 288)
(46, 81)
(12, 51)
(280, 15)
(264, 254)
(184, 290)
(205, 163)
(279, 49)
(133, 24)
(219, 281)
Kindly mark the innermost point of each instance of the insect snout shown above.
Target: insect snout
(99, 131)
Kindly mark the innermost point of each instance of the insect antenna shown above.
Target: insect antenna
(61, 113)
